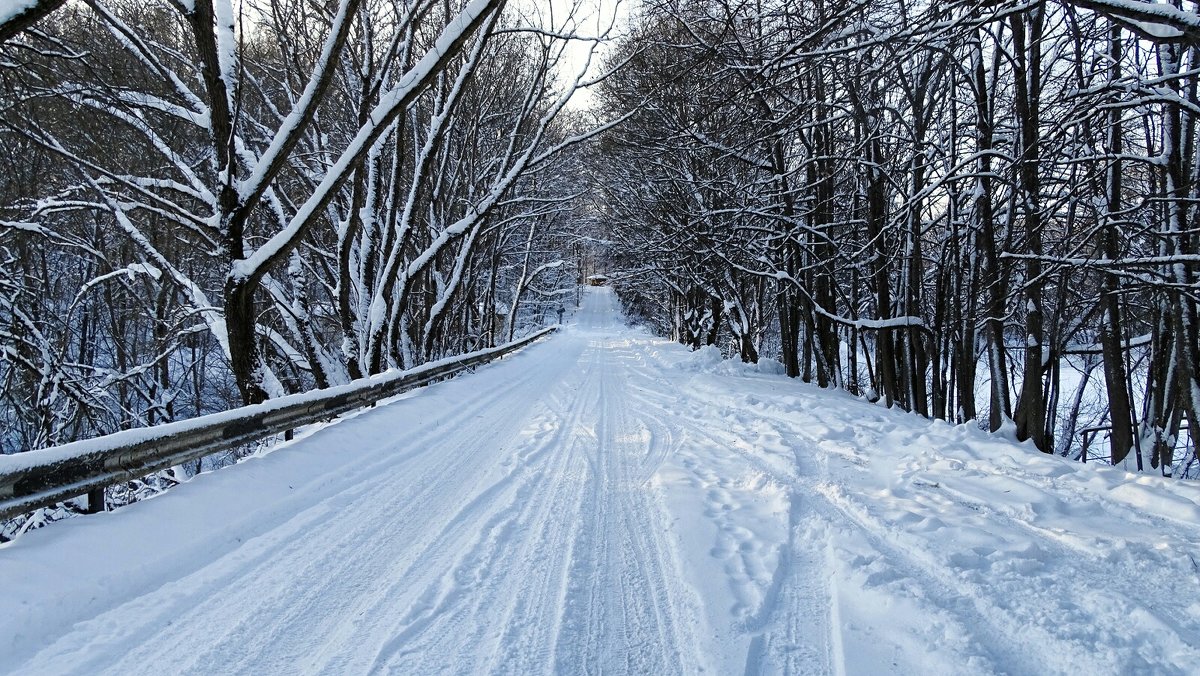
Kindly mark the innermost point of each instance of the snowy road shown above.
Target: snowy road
(606, 502)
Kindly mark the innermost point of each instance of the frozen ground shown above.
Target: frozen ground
(606, 502)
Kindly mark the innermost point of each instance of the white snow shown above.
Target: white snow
(1157, 30)
(609, 502)
(14, 8)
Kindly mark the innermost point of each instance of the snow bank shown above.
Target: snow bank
(704, 360)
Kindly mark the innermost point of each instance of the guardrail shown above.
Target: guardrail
(43, 477)
(1183, 448)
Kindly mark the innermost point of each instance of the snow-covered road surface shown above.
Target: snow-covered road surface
(606, 502)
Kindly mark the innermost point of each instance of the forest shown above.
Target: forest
(976, 211)
(208, 204)
(981, 212)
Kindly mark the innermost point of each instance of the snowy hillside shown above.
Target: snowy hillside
(610, 502)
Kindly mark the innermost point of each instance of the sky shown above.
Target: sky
(589, 18)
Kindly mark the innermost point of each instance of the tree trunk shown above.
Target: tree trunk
(1030, 415)
(1116, 381)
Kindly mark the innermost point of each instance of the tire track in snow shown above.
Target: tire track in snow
(791, 628)
(460, 603)
(625, 600)
(527, 594)
(634, 460)
(794, 630)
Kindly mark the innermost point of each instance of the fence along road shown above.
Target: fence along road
(43, 477)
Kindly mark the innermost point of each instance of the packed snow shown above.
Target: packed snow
(606, 501)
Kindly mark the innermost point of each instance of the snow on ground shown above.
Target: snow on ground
(608, 502)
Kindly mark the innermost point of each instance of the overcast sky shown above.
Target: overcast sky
(590, 18)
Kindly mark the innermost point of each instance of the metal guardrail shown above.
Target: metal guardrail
(1184, 445)
(43, 477)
